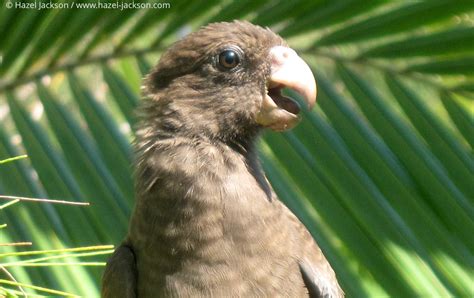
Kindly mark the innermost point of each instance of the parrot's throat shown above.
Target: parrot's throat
(183, 186)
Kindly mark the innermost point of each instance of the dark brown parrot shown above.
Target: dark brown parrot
(206, 220)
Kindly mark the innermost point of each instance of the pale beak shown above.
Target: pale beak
(288, 70)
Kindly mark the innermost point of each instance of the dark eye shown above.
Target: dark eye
(229, 59)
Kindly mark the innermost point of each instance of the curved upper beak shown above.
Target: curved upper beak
(290, 71)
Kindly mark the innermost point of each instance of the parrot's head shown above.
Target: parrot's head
(225, 81)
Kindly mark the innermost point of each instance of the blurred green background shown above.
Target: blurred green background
(381, 171)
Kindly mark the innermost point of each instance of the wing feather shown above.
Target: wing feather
(120, 275)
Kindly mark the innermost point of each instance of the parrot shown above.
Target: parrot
(206, 221)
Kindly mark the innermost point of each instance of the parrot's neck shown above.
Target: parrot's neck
(190, 191)
(163, 119)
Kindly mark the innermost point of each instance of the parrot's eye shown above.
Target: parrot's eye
(229, 59)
